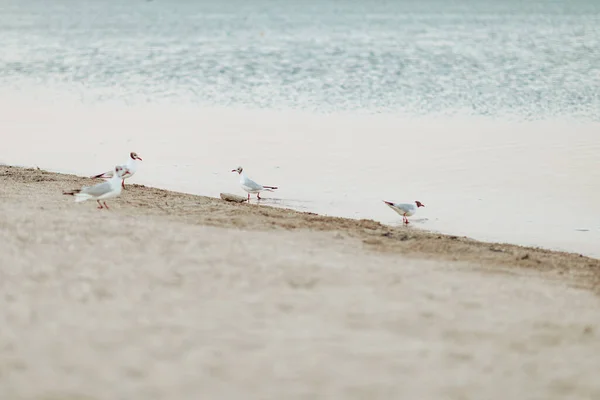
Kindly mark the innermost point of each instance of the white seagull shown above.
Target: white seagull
(405, 209)
(102, 191)
(250, 186)
(129, 169)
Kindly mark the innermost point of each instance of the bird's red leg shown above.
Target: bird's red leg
(106, 205)
(248, 197)
(99, 205)
(258, 195)
(123, 183)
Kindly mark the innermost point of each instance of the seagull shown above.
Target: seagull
(102, 191)
(405, 209)
(129, 169)
(250, 186)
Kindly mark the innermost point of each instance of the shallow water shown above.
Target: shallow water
(486, 113)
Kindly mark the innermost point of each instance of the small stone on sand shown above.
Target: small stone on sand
(233, 197)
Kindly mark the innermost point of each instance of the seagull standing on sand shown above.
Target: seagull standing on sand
(250, 186)
(102, 191)
(405, 209)
(129, 169)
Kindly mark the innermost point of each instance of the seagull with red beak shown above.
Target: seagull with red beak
(405, 209)
(128, 169)
(250, 186)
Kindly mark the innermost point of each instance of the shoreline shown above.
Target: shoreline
(375, 237)
(477, 202)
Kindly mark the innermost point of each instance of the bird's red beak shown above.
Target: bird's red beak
(234, 170)
(140, 158)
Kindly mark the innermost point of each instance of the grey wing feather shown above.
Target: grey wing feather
(252, 185)
(97, 190)
(407, 206)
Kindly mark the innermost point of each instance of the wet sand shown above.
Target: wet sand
(170, 295)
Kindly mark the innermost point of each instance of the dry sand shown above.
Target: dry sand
(174, 296)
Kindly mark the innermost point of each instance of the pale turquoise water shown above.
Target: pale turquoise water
(532, 59)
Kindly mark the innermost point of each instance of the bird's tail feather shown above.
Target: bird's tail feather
(79, 197)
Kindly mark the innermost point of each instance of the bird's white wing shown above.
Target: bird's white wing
(98, 190)
(251, 184)
(406, 207)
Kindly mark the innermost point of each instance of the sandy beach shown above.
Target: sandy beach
(175, 296)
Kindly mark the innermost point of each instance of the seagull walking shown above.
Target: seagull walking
(102, 191)
(129, 169)
(405, 209)
(250, 186)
